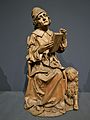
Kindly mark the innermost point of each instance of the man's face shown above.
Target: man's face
(42, 19)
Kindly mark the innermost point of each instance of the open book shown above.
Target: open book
(57, 39)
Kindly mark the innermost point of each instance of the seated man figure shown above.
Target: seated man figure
(47, 89)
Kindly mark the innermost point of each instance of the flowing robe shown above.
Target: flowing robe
(46, 81)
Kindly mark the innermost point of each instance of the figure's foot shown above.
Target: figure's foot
(75, 107)
(75, 102)
(36, 110)
(29, 103)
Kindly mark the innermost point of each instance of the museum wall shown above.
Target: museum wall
(16, 25)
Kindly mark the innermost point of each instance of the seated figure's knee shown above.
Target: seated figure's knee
(59, 73)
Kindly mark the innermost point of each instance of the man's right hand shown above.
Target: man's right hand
(45, 47)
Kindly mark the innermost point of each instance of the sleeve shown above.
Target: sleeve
(32, 49)
(63, 44)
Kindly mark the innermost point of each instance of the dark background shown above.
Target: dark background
(16, 24)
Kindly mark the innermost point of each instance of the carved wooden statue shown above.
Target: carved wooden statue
(52, 89)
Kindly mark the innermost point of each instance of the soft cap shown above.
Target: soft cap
(36, 11)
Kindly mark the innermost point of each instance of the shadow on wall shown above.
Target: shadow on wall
(4, 86)
(87, 85)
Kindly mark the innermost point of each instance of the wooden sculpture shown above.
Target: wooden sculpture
(52, 89)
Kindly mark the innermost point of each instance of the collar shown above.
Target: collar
(40, 33)
(49, 32)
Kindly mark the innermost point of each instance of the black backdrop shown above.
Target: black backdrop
(16, 24)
